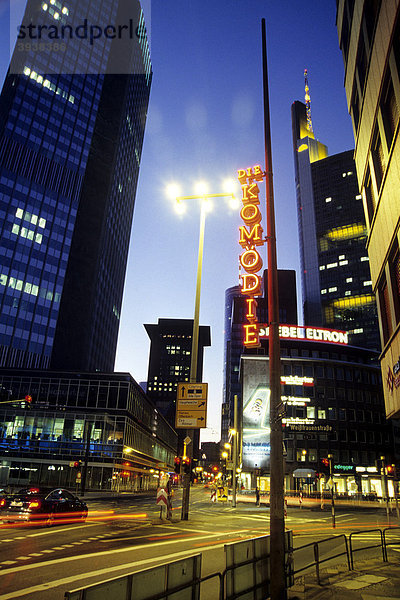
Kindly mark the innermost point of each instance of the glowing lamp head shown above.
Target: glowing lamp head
(207, 204)
(173, 190)
(201, 188)
(180, 207)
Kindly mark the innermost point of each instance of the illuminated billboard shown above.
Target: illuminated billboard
(256, 399)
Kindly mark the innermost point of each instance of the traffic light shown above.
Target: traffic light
(186, 464)
(177, 464)
(325, 465)
(391, 470)
(28, 401)
(77, 463)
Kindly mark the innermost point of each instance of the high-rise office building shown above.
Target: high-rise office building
(336, 280)
(71, 132)
(369, 37)
(169, 364)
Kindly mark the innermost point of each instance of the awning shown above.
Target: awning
(304, 473)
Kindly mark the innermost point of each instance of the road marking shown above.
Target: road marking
(93, 555)
(36, 554)
(188, 529)
(67, 546)
(8, 562)
(47, 551)
(23, 557)
(58, 548)
(82, 576)
(60, 530)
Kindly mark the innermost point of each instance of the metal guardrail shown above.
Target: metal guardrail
(381, 544)
(246, 573)
(386, 543)
(181, 577)
(316, 551)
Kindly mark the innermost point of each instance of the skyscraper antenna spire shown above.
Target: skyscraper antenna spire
(308, 101)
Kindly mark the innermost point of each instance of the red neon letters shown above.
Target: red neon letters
(250, 236)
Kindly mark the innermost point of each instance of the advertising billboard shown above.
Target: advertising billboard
(255, 413)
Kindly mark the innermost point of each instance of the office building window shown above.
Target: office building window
(369, 196)
(389, 110)
(384, 308)
(378, 158)
(394, 269)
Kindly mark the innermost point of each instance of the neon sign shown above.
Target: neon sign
(317, 334)
(250, 237)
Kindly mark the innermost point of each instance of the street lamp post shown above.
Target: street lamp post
(234, 432)
(203, 196)
(384, 483)
(330, 457)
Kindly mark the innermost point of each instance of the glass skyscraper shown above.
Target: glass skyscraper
(335, 272)
(71, 134)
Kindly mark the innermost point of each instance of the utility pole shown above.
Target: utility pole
(86, 441)
(330, 457)
(385, 489)
(277, 519)
(235, 448)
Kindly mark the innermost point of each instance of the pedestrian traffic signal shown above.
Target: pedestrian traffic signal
(28, 401)
(391, 470)
(177, 464)
(186, 464)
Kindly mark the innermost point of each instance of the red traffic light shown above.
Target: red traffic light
(325, 461)
(28, 399)
(390, 469)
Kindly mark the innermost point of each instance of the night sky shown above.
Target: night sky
(205, 121)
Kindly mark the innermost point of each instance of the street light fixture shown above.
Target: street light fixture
(202, 194)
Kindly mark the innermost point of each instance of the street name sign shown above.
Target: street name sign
(191, 406)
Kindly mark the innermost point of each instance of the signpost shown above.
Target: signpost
(191, 406)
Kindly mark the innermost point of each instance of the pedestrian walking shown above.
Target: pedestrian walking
(213, 496)
(257, 496)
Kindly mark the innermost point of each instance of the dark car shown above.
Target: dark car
(42, 506)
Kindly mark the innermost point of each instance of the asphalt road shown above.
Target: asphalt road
(126, 535)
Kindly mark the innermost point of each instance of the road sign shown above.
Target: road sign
(187, 440)
(190, 420)
(191, 406)
(162, 496)
(188, 391)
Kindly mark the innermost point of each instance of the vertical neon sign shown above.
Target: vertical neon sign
(250, 237)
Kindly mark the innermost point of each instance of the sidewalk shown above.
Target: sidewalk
(372, 580)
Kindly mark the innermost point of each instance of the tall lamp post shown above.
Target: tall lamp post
(234, 433)
(201, 194)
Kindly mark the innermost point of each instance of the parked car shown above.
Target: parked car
(42, 506)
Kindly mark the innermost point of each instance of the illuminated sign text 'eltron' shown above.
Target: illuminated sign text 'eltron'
(300, 332)
(250, 237)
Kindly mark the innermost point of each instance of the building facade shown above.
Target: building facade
(333, 404)
(369, 37)
(104, 419)
(169, 364)
(71, 133)
(336, 279)
(235, 311)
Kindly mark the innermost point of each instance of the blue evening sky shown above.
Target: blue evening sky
(205, 121)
